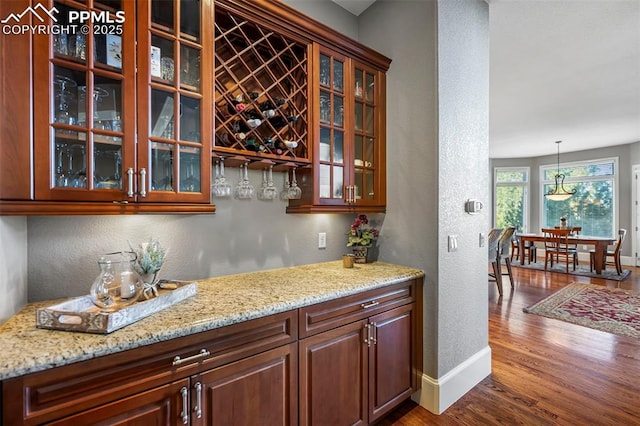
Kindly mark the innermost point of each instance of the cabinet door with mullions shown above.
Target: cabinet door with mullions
(84, 133)
(174, 115)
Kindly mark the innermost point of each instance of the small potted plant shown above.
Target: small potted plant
(361, 237)
(150, 257)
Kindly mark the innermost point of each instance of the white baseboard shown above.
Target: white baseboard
(437, 395)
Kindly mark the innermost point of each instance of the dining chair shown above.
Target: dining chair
(493, 239)
(502, 253)
(529, 249)
(615, 254)
(556, 245)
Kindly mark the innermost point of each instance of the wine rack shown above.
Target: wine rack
(261, 92)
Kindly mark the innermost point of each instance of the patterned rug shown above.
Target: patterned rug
(582, 270)
(613, 310)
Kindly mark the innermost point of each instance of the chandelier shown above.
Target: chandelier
(559, 193)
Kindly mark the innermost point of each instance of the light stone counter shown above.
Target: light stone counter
(220, 301)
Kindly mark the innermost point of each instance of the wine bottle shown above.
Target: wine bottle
(268, 108)
(251, 113)
(235, 106)
(291, 144)
(253, 95)
(254, 122)
(280, 121)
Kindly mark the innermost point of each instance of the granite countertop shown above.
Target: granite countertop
(219, 302)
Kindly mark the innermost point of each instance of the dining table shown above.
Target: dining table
(600, 245)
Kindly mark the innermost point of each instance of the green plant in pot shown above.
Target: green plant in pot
(150, 257)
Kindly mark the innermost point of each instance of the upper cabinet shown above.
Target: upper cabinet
(292, 92)
(121, 109)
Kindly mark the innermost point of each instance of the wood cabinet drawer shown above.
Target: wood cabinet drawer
(334, 313)
(51, 394)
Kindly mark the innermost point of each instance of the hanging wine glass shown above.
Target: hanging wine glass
(222, 188)
(272, 192)
(244, 189)
(284, 194)
(295, 193)
(262, 192)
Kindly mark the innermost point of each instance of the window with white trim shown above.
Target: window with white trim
(594, 205)
(511, 197)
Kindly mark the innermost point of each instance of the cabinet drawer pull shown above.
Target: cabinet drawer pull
(369, 305)
(130, 182)
(143, 182)
(198, 408)
(202, 354)
(185, 411)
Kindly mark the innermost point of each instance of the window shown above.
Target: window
(511, 197)
(593, 206)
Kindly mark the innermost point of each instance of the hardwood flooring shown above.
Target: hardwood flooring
(545, 371)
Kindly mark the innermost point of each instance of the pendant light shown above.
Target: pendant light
(558, 193)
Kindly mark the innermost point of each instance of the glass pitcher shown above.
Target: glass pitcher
(118, 284)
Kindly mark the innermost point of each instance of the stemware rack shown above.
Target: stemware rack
(261, 94)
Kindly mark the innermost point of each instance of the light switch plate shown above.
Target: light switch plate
(453, 243)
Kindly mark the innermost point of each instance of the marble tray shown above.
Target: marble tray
(80, 314)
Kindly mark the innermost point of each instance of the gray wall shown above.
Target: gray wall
(13, 265)
(628, 155)
(437, 138)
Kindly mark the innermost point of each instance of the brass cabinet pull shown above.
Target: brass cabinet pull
(202, 354)
(130, 177)
(143, 182)
(198, 408)
(369, 304)
(185, 411)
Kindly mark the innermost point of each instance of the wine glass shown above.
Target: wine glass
(223, 187)
(244, 189)
(268, 190)
(284, 194)
(295, 193)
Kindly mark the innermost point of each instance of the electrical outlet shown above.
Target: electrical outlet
(322, 240)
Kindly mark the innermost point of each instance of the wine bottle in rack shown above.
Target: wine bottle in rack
(236, 106)
(252, 114)
(268, 107)
(280, 121)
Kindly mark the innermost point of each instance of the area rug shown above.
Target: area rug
(613, 310)
(582, 270)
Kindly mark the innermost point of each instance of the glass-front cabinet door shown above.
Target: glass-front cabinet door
(84, 88)
(174, 124)
(368, 160)
(332, 163)
(349, 155)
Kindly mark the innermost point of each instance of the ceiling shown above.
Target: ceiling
(560, 70)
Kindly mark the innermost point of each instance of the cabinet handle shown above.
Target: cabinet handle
(369, 304)
(198, 408)
(202, 354)
(374, 329)
(143, 182)
(367, 335)
(130, 177)
(185, 411)
(355, 194)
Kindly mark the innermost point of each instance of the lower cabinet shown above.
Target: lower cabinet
(260, 390)
(347, 361)
(156, 407)
(355, 374)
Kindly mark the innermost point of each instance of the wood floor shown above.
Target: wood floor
(545, 371)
